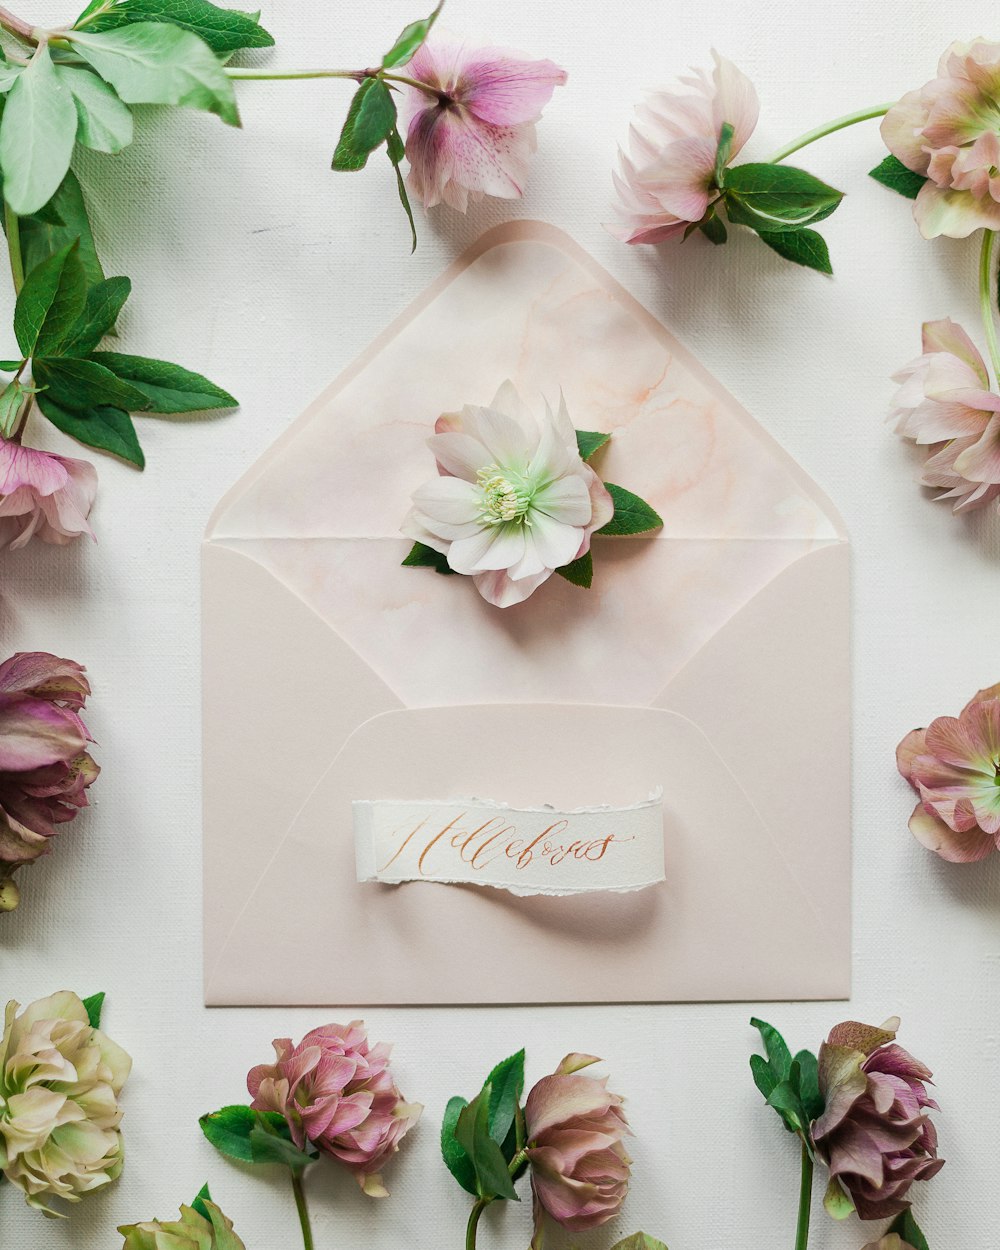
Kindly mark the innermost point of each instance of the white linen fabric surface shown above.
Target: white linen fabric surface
(256, 265)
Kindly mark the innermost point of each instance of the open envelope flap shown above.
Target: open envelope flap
(699, 935)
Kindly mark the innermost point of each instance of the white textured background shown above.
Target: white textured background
(255, 264)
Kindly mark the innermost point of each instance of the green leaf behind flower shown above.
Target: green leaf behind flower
(424, 557)
(909, 1230)
(258, 1137)
(506, 1087)
(104, 427)
(777, 197)
(632, 514)
(590, 442)
(892, 173)
(579, 572)
(397, 150)
(473, 1134)
(790, 1086)
(410, 39)
(93, 1006)
(203, 1195)
(456, 1160)
(224, 30)
(371, 119)
(723, 152)
(639, 1241)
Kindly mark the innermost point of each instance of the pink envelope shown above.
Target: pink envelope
(710, 659)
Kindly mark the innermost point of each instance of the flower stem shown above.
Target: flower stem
(986, 302)
(475, 1215)
(829, 128)
(303, 1210)
(17, 26)
(12, 225)
(265, 75)
(805, 1200)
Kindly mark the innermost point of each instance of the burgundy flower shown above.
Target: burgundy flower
(45, 769)
(875, 1135)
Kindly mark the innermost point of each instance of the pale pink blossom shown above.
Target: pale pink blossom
(954, 766)
(337, 1092)
(945, 403)
(43, 496)
(949, 131)
(575, 1131)
(513, 500)
(472, 133)
(667, 179)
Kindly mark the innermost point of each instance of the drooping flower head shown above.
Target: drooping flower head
(667, 178)
(43, 496)
(59, 1085)
(875, 1135)
(945, 403)
(191, 1232)
(473, 132)
(949, 131)
(575, 1131)
(45, 768)
(338, 1093)
(954, 766)
(514, 500)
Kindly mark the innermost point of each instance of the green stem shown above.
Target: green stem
(805, 1200)
(986, 303)
(356, 75)
(829, 128)
(303, 1210)
(12, 226)
(475, 1215)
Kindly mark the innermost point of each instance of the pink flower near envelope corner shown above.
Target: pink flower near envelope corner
(43, 496)
(954, 766)
(472, 133)
(337, 1092)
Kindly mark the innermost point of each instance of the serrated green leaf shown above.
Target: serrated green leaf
(457, 1161)
(37, 134)
(714, 229)
(224, 30)
(93, 1006)
(590, 442)
(154, 63)
(579, 572)
(906, 1227)
(105, 123)
(104, 303)
(410, 39)
(201, 1198)
(777, 197)
(63, 220)
(229, 1129)
(397, 150)
(723, 152)
(837, 1202)
(892, 173)
(168, 388)
(78, 383)
(639, 1241)
(632, 514)
(779, 1057)
(803, 247)
(506, 1086)
(371, 119)
(424, 557)
(473, 1135)
(108, 429)
(50, 301)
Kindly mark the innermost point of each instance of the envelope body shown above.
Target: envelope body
(710, 660)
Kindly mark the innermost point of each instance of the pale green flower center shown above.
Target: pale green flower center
(506, 496)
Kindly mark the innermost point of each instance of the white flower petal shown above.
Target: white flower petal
(497, 588)
(509, 445)
(459, 454)
(494, 547)
(567, 500)
(555, 543)
(449, 499)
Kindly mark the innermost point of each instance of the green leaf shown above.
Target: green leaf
(579, 572)
(804, 247)
(785, 1100)
(12, 399)
(224, 30)
(589, 442)
(892, 173)
(371, 119)
(201, 1198)
(632, 514)
(229, 1129)
(108, 429)
(270, 1142)
(77, 383)
(723, 152)
(153, 63)
(9, 366)
(409, 41)
(763, 1077)
(506, 1086)
(50, 301)
(714, 229)
(812, 1100)
(37, 134)
(103, 306)
(105, 123)
(423, 557)
(397, 150)
(9, 75)
(64, 220)
(93, 1007)
(779, 1057)
(457, 1161)
(639, 1241)
(906, 1227)
(473, 1135)
(166, 387)
(777, 197)
(838, 1203)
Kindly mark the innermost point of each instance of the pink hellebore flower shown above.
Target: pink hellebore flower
(891, 1241)
(514, 500)
(945, 403)
(954, 765)
(949, 131)
(874, 1135)
(575, 1129)
(667, 179)
(45, 769)
(337, 1092)
(472, 132)
(43, 496)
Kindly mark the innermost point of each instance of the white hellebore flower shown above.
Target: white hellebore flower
(513, 501)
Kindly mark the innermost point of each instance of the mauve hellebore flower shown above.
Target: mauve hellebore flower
(43, 496)
(874, 1135)
(337, 1092)
(45, 768)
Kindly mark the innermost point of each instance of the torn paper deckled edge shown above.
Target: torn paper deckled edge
(525, 850)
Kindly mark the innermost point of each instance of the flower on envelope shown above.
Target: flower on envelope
(514, 500)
